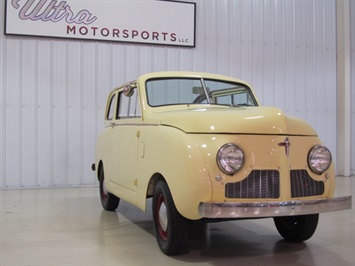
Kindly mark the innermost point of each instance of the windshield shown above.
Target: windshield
(188, 91)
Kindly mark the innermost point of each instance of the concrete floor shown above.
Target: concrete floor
(69, 227)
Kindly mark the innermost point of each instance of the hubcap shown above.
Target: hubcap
(163, 217)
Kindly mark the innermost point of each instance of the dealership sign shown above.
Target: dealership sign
(135, 21)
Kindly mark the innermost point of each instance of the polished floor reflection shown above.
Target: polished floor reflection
(69, 227)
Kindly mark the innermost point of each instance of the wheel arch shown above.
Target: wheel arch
(152, 182)
(99, 168)
(184, 202)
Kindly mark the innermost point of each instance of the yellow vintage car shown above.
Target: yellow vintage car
(205, 150)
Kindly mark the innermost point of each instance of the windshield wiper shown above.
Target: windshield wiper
(241, 104)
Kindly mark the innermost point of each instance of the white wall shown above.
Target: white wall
(352, 77)
(53, 92)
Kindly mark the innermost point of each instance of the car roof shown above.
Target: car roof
(188, 74)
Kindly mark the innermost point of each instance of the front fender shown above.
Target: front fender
(177, 158)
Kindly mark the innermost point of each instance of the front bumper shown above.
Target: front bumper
(272, 209)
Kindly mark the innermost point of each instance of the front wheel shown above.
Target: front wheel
(171, 229)
(297, 228)
(108, 201)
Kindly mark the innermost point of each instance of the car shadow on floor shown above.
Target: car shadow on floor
(227, 243)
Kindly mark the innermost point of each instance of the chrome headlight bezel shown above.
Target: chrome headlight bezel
(230, 158)
(319, 159)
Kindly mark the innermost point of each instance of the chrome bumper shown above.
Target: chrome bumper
(272, 209)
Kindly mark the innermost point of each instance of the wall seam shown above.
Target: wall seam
(66, 115)
(36, 115)
(20, 115)
(51, 113)
(343, 84)
(81, 112)
(3, 150)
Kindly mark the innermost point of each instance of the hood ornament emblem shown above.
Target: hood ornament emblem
(287, 145)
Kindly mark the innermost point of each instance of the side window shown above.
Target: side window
(129, 106)
(111, 108)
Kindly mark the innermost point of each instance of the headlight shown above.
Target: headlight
(230, 158)
(319, 159)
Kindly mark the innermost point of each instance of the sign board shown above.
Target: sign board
(135, 21)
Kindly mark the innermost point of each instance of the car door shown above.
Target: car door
(124, 139)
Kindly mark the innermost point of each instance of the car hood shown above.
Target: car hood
(239, 120)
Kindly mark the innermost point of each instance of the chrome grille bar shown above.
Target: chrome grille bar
(302, 185)
(258, 184)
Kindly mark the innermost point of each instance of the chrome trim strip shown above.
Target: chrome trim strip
(132, 124)
(272, 209)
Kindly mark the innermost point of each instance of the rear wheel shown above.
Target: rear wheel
(297, 228)
(108, 201)
(171, 229)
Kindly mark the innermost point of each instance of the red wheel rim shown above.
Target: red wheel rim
(103, 189)
(161, 217)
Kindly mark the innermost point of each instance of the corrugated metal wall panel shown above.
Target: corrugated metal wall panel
(13, 113)
(28, 109)
(53, 92)
(352, 41)
(74, 124)
(44, 137)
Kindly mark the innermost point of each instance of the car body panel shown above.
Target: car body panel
(250, 120)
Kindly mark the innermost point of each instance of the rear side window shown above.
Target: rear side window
(129, 106)
(111, 109)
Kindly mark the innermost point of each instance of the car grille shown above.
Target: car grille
(266, 184)
(258, 184)
(302, 185)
